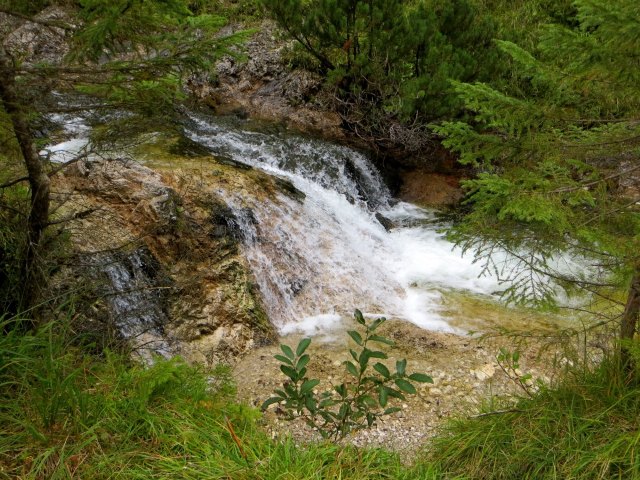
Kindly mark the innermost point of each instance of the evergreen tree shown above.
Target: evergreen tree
(550, 152)
(131, 54)
(391, 59)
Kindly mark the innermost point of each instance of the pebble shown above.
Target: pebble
(484, 372)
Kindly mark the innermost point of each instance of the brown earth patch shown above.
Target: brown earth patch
(430, 189)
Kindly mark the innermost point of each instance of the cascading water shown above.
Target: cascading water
(317, 259)
(132, 292)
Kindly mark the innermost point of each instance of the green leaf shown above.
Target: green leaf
(289, 372)
(391, 410)
(368, 401)
(311, 404)
(381, 339)
(382, 370)
(359, 317)
(377, 354)
(365, 355)
(401, 367)
(376, 323)
(328, 417)
(383, 395)
(286, 349)
(405, 386)
(283, 359)
(356, 337)
(341, 389)
(395, 394)
(327, 402)
(270, 401)
(370, 419)
(307, 386)
(351, 368)
(302, 346)
(421, 377)
(354, 354)
(302, 362)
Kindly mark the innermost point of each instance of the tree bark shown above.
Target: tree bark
(629, 321)
(38, 178)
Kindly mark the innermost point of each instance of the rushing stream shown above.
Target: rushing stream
(322, 250)
(316, 260)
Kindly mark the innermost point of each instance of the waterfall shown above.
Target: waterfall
(131, 286)
(317, 259)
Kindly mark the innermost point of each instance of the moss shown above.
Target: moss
(480, 313)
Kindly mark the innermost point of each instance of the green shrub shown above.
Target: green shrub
(354, 404)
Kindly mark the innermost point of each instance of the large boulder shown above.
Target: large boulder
(165, 262)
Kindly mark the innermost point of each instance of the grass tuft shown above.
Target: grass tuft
(587, 428)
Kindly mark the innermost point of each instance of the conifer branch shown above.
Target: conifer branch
(596, 182)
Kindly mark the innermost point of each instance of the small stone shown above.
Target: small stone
(485, 372)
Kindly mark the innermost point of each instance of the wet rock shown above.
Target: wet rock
(427, 188)
(265, 88)
(385, 222)
(289, 189)
(207, 306)
(188, 148)
(230, 162)
(135, 286)
(224, 221)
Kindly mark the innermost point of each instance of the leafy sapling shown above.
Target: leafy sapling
(509, 363)
(357, 402)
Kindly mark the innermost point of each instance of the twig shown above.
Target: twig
(497, 412)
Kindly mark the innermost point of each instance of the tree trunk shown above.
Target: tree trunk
(39, 181)
(629, 321)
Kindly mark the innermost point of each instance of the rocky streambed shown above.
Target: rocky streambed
(465, 371)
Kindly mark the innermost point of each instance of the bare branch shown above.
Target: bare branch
(14, 182)
(74, 216)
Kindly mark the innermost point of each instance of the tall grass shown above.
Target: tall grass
(587, 428)
(65, 413)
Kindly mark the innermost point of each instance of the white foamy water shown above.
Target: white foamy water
(317, 260)
(76, 130)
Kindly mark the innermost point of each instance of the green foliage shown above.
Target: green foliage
(67, 413)
(550, 147)
(391, 60)
(145, 50)
(586, 428)
(354, 404)
(509, 363)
